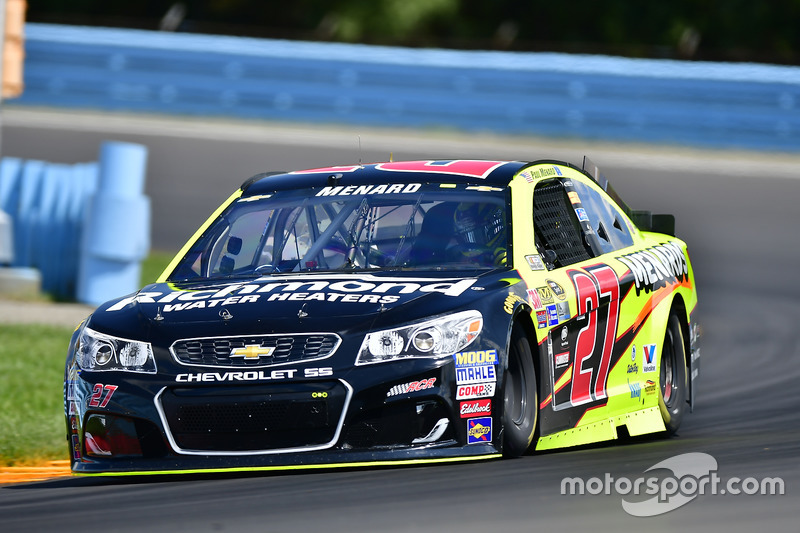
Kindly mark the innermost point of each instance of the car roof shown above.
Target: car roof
(492, 173)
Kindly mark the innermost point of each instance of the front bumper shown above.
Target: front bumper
(398, 413)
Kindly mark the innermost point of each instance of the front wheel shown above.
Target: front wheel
(673, 377)
(520, 402)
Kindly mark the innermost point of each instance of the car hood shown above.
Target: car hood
(289, 303)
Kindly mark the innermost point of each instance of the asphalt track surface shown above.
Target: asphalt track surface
(737, 211)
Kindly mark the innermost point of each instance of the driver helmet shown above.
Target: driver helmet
(478, 224)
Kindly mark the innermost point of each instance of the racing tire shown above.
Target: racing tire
(673, 386)
(520, 399)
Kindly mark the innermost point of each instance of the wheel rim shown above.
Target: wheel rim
(668, 361)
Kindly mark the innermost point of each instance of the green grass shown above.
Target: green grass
(32, 424)
(32, 427)
(154, 264)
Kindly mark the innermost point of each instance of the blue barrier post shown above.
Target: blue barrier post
(116, 234)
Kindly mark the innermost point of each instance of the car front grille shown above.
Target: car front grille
(254, 418)
(219, 351)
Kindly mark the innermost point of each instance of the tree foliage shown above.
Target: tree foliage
(727, 30)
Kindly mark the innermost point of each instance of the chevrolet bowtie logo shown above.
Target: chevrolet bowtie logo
(252, 351)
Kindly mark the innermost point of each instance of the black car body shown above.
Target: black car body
(345, 316)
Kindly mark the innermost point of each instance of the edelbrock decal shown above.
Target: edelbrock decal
(472, 408)
(363, 289)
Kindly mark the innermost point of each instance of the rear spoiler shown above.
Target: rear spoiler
(644, 220)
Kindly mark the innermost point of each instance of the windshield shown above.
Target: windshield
(385, 227)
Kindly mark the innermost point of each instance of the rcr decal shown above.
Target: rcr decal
(654, 267)
(358, 190)
(363, 289)
(252, 375)
(413, 386)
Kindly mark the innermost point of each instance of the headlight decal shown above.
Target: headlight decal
(436, 338)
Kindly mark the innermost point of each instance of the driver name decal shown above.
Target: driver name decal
(358, 190)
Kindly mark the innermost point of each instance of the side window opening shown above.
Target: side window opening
(604, 218)
(602, 233)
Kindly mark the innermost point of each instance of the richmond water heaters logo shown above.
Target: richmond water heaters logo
(364, 289)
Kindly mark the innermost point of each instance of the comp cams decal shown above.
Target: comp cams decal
(363, 289)
(475, 390)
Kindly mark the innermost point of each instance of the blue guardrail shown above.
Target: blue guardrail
(555, 95)
(85, 227)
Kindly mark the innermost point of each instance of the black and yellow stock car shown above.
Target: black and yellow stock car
(399, 312)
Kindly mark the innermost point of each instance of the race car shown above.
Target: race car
(392, 313)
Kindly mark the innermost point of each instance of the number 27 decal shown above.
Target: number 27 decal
(598, 298)
(98, 399)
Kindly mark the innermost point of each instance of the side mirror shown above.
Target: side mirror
(549, 257)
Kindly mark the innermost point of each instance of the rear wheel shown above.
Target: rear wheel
(673, 377)
(520, 402)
